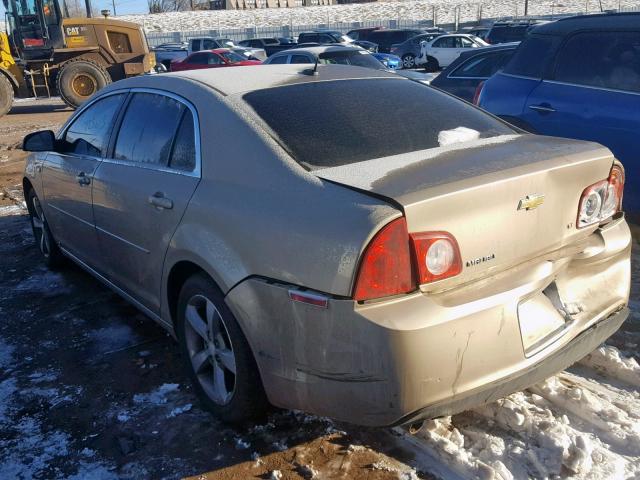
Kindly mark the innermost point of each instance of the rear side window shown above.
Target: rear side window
(119, 42)
(279, 60)
(532, 56)
(482, 66)
(183, 155)
(613, 60)
(199, 59)
(363, 119)
(357, 58)
(89, 132)
(148, 128)
(447, 42)
(506, 33)
(300, 59)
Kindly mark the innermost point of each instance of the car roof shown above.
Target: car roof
(231, 81)
(598, 21)
(321, 49)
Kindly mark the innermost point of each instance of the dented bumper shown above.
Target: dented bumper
(431, 354)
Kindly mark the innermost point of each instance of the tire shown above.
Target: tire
(53, 257)
(78, 79)
(6, 95)
(212, 346)
(432, 64)
(408, 61)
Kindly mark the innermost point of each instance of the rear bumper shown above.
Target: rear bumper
(431, 354)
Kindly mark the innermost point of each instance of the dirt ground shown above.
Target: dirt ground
(91, 388)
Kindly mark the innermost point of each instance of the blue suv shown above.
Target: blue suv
(579, 78)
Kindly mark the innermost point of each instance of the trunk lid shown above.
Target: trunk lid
(505, 199)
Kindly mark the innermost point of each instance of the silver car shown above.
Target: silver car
(316, 242)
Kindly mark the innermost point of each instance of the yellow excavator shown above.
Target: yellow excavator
(43, 53)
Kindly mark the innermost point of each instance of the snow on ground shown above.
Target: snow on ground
(377, 11)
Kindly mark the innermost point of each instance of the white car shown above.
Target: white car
(444, 50)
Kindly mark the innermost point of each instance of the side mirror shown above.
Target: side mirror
(42, 141)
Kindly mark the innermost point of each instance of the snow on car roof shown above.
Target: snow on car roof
(231, 81)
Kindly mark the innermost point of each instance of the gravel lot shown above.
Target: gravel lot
(90, 388)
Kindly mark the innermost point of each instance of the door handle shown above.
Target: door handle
(542, 108)
(158, 200)
(83, 179)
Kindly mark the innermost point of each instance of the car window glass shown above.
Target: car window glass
(213, 59)
(613, 61)
(280, 59)
(208, 45)
(246, 43)
(466, 43)
(89, 133)
(183, 156)
(481, 66)
(198, 59)
(147, 129)
(347, 110)
(532, 56)
(447, 42)
(300, 59)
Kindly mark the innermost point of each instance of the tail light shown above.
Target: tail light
(476, 95)
(394, 258)
(602, 199)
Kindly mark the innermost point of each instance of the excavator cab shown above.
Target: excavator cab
(34, 28)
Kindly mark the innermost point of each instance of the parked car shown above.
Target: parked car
(392, 62)
(362, 33)
(269, 45)
(510, 31)
(208, 43)
(578, 77)
(220, 57)
(362, 273)
(478, 31)
(327, 54)
(410, 49)
(465, 75)
(169, 52)
(324, 37)
(370, 46)
(444, 50)
(387, 37)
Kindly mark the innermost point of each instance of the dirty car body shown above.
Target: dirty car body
(378, 278)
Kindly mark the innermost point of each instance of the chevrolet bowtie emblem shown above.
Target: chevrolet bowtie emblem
(530, 202)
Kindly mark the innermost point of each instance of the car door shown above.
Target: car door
(594, 97)
(441, 50)
(67, 177)
(142, 189)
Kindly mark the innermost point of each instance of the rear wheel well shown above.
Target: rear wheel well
(179, 274)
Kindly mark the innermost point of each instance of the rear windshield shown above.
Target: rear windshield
(359, 58)
(328, 124)
(505, 34)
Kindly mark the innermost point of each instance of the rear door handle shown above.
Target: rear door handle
(83, 179)
(542, 108)
(160, 201)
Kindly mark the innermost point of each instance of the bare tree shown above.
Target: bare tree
(160, 6)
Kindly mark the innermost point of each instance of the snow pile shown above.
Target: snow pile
(608, 361)
(568, 425)
(457, 135)
(158, 396)
(363, 12)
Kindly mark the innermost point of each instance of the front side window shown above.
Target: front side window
(89, 132)
(213, 59)
(209, 44)
(613, 61)
(532, 56)
(447, 42)
(233, 57)
(148, 129)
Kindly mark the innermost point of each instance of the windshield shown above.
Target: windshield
(23, 7)
(233, 57)
(359, 58)
(333, 123)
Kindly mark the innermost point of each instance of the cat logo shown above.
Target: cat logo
(74, 31)
(531, 202)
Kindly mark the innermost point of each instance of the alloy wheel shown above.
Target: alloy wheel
(210, 350)
(40, 227)
(408, 61)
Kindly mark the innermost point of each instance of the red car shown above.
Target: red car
(220, 57)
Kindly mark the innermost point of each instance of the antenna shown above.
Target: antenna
(312, 71)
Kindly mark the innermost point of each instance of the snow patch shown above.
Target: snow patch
(158, 396)
(610, 362)
(178, 410)
(457, 135)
